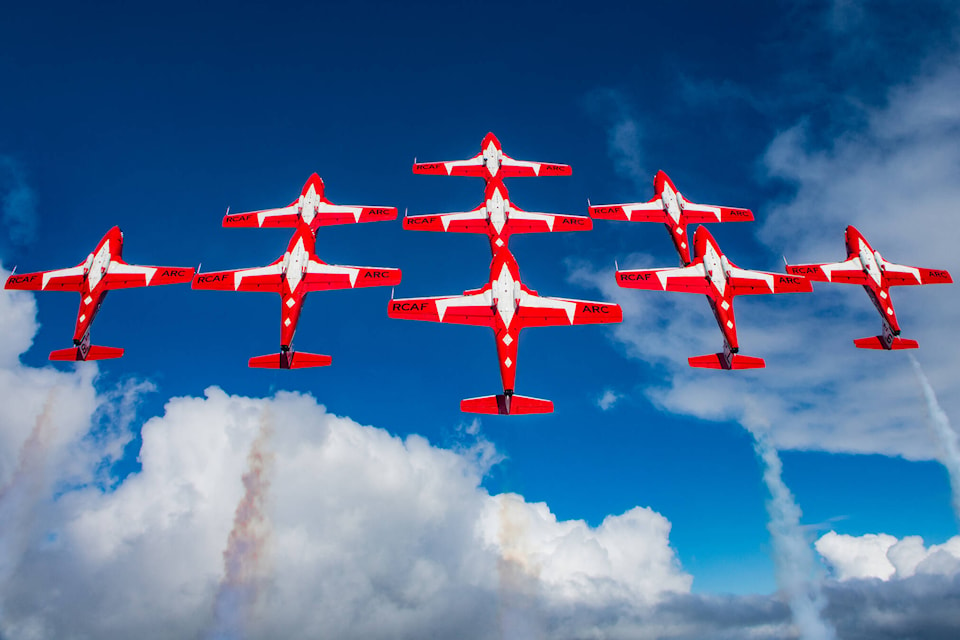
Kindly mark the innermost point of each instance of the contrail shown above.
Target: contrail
(244, 556)
(946, 436)
(20, 495)
(792, 555)
(518, 612)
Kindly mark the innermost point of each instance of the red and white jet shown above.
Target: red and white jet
(673, 210)
(492, 163)
(505, 305)
(865, 266)
(712, 274)
(498, 218)
(313, 208)
(293, 275)
(103, 271)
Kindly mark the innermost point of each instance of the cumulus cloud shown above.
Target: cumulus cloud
(313, 524)
(884, 557)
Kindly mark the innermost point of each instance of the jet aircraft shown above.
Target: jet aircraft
(865, 266)
(103, 271)
(673, 210)
(311, 207)
(294, 274)
(498, 218)
(712, 274)
(491, 163)
(505, 305)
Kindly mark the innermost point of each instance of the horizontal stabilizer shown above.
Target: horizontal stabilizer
(878, 342)
(506, 405)
(94, 352)
(720, 361)
(290, 360)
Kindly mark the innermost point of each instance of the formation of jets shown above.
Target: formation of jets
(299, 271)
(504, 303)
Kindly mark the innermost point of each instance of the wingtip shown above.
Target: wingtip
(405, 209)
(199, 264)
(392, 291)
(616, 265)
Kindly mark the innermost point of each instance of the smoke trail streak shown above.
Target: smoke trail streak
(793, 556)
(518, 612)
(244, 557)
(23, 491)
(946, 436)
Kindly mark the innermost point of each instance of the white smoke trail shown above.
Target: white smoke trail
(21, 494)
(244, 557)
(519, 610)
(946, 436)
(793, 556)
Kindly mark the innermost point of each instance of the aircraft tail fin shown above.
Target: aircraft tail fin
(86, 352)
(290, 360)
(882, 342)
(726, 361)
(506, 405)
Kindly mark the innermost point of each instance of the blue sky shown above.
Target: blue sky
(157, 118)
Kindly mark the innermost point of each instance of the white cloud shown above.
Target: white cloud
(608, 399)
(324, 528)
(624, 133)
(884, 557)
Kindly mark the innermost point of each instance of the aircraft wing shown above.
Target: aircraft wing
(541, 311)
(533, 222)
(268, 278)
(328, 214)
(321, 276)
(69, 279)
(476, 167)
(462, 222)
(747, 282)
(651, 211)
(691, 279)
(901, 274)
(121, 275)
(849, 271)
(510, 168)
(475, 309)
(694, 212)
(284, 217)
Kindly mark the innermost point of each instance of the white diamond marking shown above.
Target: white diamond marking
(889, 311)
(87, 300)
(729, 325)
(507, 340)
(499, 242)
(508, 362)
(725, 305)
(286, 322)
(290, 302)
(883, 294)
(83, 317)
